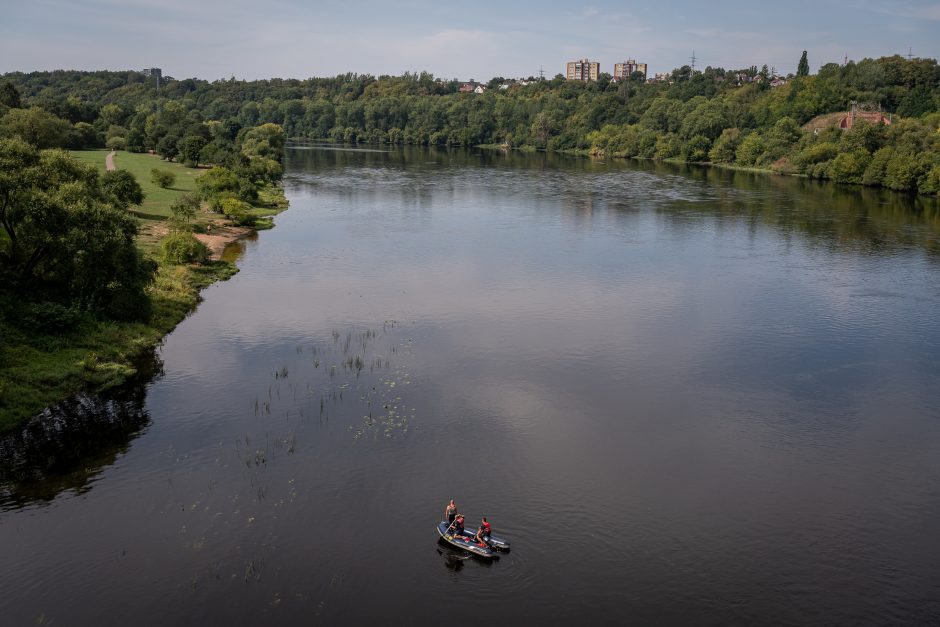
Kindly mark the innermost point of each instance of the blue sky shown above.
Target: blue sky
(291, 38)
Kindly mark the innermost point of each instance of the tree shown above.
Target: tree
(121, 189)
(190, 148)
(9, 96)
(803, 68)
(116, 143)
(162, 178)
(266, 140)
(38, 127)
(63, 242)
(216, 181)
(183, 210)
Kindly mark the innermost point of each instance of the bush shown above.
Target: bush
(751, 148)
(116, 143)
(47, 317)
(848, 167)
(697, 149)
(216, 181)
(725, 145)
(162, 178)
(121, 189)
(183, 247)
(875, 172)
(237, 211)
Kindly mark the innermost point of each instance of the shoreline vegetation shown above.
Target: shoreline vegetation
(873, 122)
(97, 266)
(57, 341)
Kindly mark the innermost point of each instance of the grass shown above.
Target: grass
(38, 369)
(157, 201)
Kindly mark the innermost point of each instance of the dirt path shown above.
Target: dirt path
(109, 162)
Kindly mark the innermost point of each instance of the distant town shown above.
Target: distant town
(588, 70)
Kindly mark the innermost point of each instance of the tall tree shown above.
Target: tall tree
(9, 95)
(803, 68)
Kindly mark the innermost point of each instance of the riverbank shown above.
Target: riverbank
(47, 364)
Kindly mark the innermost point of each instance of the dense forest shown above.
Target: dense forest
(743, 117)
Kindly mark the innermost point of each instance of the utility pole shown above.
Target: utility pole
(909, 54)
(693, 58)
(541, 73)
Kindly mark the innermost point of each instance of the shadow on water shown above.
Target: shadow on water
(69, 444)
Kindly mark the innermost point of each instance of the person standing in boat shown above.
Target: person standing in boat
(450, 512)
(483, 532)
(458, 525)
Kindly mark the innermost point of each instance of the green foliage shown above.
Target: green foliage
(163, 178)
(63, 241)
(121, 189)
(36, 127)
(697, 149)
(237, 211)
(242, 126)
(9, 95)
(725, 146)
(190, 149)
(116, 143)
(750, 150)
(849, 167)
(181, 247)
(802, 69)
(182, 212)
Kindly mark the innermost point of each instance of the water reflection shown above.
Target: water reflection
(69, 444)
(840, 217)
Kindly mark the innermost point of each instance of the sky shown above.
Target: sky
(252, 39)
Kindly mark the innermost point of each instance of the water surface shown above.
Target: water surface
(686, 396)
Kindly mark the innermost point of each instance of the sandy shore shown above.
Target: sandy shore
(219, 236)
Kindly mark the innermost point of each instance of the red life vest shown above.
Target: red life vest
(486, 528)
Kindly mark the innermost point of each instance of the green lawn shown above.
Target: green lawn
(157, 202)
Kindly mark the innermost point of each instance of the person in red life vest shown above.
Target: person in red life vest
(450, 512)
(483, 532)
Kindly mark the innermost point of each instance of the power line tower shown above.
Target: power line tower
(693, 59)
(541, 73)
(910, 54)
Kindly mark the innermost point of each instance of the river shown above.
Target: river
(686, 396)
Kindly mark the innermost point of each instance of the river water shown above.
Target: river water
(685, 396)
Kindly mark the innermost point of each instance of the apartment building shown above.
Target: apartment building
(627, 69)
(583, 70)
(155, 73)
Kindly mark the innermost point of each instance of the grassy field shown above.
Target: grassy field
(156, 205)
(38, 369)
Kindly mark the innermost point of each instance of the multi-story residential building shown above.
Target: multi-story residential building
(583, 70)
(154, 72)
(627, 69)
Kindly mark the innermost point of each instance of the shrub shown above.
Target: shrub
(751, 148)
(183, 247)
(162, 178)
(47, 317)
(697, 149)
(116, 143)
(848, 167)
(121, 189)
(237, 211)
(725, 145)
(875, 172)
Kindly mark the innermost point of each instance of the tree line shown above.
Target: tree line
(67, 241)
(734, 117)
